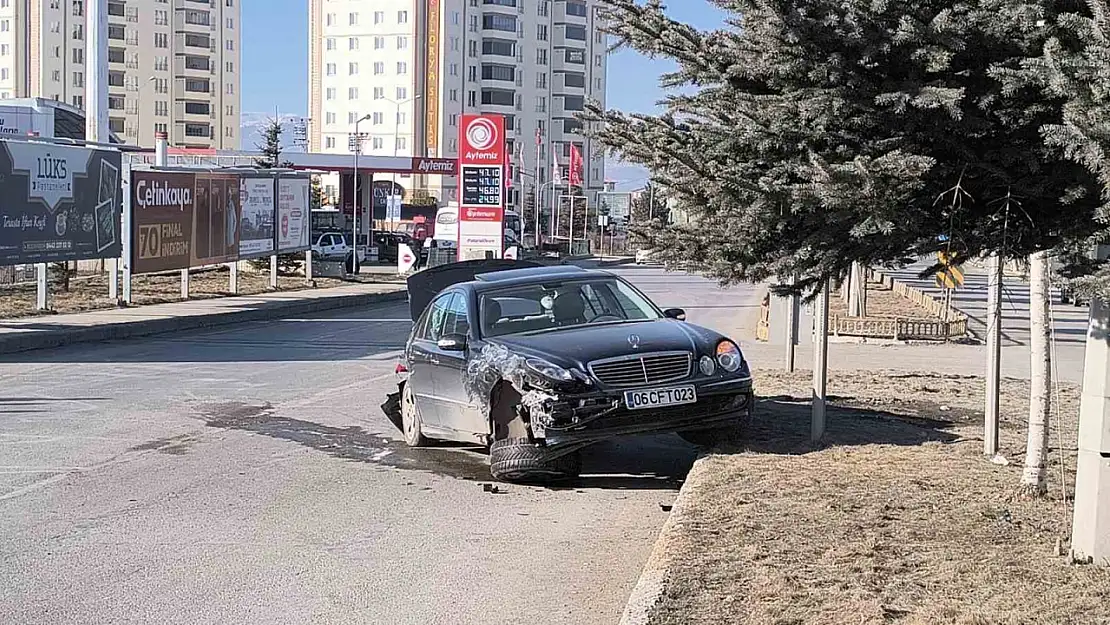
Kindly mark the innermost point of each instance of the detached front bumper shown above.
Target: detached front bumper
(599, 415)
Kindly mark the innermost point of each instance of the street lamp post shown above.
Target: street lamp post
(355, 187)
(396, 136)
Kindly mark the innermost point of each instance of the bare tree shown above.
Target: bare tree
(1033, 478)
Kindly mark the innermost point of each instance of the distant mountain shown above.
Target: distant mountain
(253, 125)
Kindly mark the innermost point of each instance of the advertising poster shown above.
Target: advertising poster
(482, 159)
(162, 220)
(256, 224)
(293, 209)
(58, 203)
(215, 219)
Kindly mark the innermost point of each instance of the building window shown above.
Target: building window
(352, 43)
(352, 93)
(352, 19)
(329, 142)
(402, 68)
(402, 17)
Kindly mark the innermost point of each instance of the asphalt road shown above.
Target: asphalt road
(247, 475)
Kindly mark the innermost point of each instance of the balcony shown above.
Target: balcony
(568, 60)
(192, 21)
(572, 12)
(198, 65)
(197, 111)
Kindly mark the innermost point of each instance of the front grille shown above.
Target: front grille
(657, 368)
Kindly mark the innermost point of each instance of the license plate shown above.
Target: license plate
(660, 397)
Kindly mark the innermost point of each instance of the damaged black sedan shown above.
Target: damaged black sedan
(538, 362)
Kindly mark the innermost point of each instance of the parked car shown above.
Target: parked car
(333, 246)
(538, 362)
(645, 256)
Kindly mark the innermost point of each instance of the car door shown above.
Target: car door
(423, 358)
(458, 411)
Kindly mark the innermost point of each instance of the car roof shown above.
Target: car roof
(532, 275)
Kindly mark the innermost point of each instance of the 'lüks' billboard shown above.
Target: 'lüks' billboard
(58, 203)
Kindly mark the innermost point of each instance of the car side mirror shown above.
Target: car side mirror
(675, 313)
(452, 343)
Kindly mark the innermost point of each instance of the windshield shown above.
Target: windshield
(535, 307)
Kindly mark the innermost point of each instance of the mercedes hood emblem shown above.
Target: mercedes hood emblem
(634, 340)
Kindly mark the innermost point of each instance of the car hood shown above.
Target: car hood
(574, 347)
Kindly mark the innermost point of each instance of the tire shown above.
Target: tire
(411, 425)
(519, 460)
(352, 264)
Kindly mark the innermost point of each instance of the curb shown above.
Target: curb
(615, 262)
(45, 339)
(653, 578)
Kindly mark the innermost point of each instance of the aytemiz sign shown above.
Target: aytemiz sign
(482, 160)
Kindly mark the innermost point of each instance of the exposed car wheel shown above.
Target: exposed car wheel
(410, 420)
(520, 460)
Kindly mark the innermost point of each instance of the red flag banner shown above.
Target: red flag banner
(575, 175)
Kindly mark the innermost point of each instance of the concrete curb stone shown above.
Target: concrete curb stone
(44, 339)
(653, 578)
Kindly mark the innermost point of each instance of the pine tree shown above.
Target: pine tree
(271, 159)
(1074, 67)
(823, 132)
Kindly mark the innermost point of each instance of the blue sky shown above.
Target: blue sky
(275, 58)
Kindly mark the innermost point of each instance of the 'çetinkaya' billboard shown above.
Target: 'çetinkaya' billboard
(58, 203)
(185, 219)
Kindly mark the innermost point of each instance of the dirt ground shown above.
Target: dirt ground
(90, 291)
(897, 519)
(881, 302)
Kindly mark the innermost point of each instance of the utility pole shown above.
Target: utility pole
(1090, 534)
(820, 363)
(994, 355)
(96, 100)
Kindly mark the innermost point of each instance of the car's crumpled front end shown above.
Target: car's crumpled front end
(569, 405)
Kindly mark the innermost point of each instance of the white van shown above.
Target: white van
(447, 226)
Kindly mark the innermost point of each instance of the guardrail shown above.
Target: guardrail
(947, 324)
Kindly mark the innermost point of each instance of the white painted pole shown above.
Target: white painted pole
(820, 363)
(128, 242)
(161, 159)
(308, 265)
(792, 309)
(96, 96)
(1090, 534)
(273, 271)
(42, 293)
(994, 355)
(233, 278)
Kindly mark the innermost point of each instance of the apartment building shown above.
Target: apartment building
(414, 66)
(173, 65)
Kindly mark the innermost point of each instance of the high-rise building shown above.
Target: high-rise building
(414, 66)
(173, 65)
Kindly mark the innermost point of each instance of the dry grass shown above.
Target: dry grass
(881, 302)
(90, 292)
(898, 519)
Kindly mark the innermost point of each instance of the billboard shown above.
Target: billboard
(294, 197)
(58, 203)
(482, 159)
(256, 224)
(161, 220)
(215, 219)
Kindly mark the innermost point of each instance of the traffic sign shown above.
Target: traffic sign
(406, 258)
(950, 276)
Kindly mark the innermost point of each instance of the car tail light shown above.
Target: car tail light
(401, 368)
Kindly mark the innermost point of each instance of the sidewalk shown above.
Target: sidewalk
(42, 332)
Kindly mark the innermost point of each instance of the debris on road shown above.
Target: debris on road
(896, 518)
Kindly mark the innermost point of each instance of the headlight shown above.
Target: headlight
(729, 356)
(548, 370)
(707, 366)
